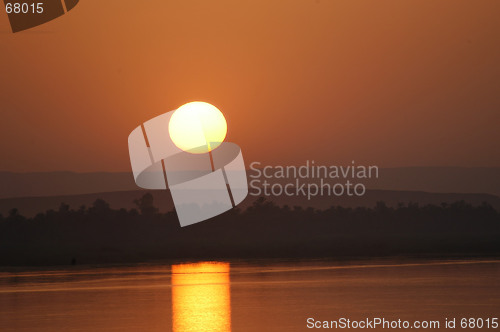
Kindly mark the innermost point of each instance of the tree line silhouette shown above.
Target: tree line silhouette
(100, 234)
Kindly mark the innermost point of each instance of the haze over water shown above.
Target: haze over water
(262, 296)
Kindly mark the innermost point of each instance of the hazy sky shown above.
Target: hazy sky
(387, 82)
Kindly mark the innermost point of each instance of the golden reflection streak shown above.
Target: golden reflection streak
(201, 299)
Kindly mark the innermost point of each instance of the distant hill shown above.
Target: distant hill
(62, 183)
(440, 179)
(428, 179)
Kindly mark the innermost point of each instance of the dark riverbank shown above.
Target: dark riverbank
(99, 234)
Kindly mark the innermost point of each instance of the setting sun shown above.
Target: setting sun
(197, 127)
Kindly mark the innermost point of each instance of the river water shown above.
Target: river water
(243, 296)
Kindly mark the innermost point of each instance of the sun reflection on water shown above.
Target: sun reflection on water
(201, 297)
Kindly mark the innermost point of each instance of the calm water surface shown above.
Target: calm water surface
(263, 296)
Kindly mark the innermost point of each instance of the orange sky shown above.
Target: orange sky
(388, 82)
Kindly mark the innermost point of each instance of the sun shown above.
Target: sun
(197, 127)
